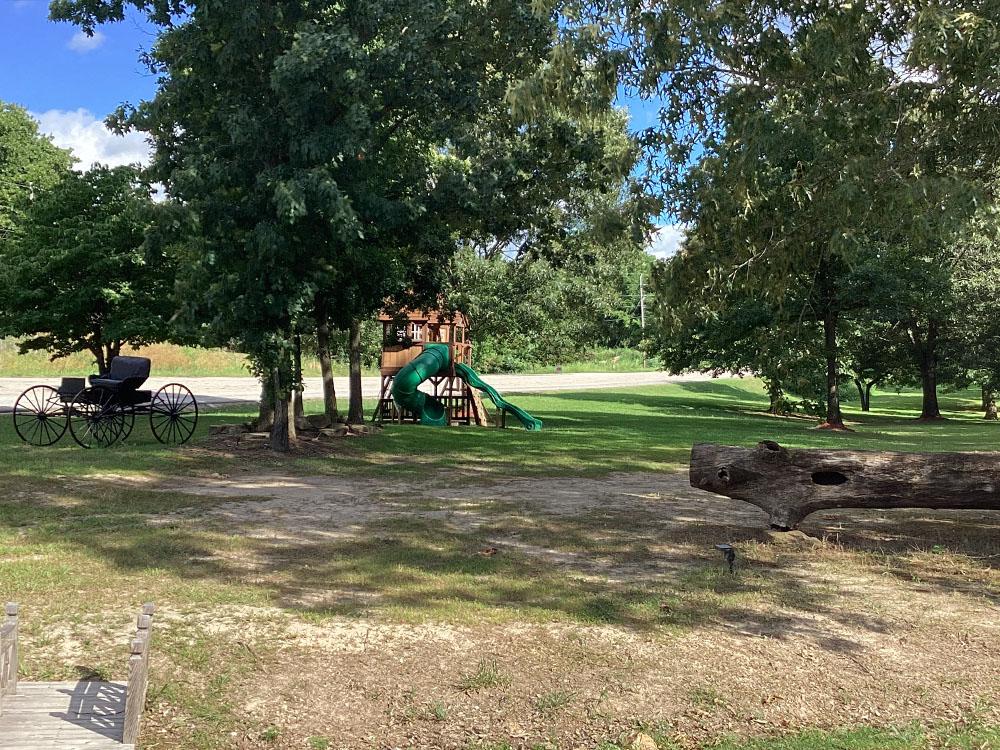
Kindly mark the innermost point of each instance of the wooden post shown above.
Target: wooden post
(8, 652)
(10, 609)
(138, 675)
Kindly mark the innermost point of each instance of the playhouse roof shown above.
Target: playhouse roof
(442, 317)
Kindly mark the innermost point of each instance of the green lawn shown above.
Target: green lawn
(587, 432)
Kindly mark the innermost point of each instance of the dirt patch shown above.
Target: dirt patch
(877, 617)
(316, 507)
(370, 684)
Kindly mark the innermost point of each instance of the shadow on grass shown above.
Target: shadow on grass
(621, 568)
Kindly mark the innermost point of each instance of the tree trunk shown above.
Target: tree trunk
(775, 395)
(834, 418)
(265, 412)
(925, 351)
(100, 360)
(929, 408)
(298, 408)
(862, 394)
(326, 368)
(283, 428)
(868, 396)
(790, 484)
(990, 397)
(356, 412)
(111, 350)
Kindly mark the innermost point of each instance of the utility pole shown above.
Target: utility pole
(642, 304)
(642, 317)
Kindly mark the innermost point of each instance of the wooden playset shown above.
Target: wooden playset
(403, 339)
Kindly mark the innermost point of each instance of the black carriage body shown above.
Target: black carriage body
(122, 383)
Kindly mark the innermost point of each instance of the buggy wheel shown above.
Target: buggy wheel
(40, 416)
(128, 422)
(173, 414)
(96, 418)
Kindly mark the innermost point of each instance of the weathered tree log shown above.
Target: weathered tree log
(789, 484)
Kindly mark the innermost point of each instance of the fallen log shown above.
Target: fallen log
(789, 484)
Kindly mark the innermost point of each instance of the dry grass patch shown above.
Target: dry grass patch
(563, 611)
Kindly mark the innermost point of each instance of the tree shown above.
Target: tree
(78, 277)
(872, 357)
(796, 134)
(533, 312)
(29, 165)
(702, 322)
(309, 141)
(551, 258)
(972, 347)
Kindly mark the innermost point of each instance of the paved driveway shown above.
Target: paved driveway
(221, 391)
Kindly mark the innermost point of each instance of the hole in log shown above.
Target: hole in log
(723, 475)
(770, 445)
(828, 478)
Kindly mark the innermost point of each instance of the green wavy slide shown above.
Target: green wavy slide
(471, 377)
(435, 360)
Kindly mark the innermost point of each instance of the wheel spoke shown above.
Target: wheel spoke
(35, 426)
(47, 430)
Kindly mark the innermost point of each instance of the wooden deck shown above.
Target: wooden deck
(64, 715)
(84, 715)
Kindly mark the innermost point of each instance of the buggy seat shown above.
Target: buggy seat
(125, 377)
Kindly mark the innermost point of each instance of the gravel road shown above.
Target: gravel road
(221, 391)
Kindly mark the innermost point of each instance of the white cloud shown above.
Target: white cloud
(82, 43)
(81, 132)
(666, 240)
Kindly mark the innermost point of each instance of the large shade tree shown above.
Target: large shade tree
(308, 139)
(795, 134)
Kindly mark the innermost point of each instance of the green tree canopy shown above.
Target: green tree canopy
(29, 165)
(794, 135)
(314, 145)
(78, 277)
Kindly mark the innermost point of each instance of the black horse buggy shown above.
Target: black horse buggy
(103, 412)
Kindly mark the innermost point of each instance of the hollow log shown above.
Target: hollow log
(789, 484)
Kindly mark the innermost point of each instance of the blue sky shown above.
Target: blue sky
(70, 83)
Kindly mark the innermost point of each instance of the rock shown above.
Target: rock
(228, 429)
(255, 437)
(361, 429)
(643, 741)
(318, 421)
(338, 431)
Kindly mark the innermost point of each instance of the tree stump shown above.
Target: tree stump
(789, 484)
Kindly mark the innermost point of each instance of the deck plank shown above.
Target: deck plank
(64, 716)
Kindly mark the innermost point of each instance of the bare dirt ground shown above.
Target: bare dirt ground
(617, 614)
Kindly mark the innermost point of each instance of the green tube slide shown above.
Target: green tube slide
(471, 377)
(433, 360)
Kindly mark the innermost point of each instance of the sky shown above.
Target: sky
(70, 82)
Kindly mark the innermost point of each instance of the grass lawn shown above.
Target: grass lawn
(477, 588)
(586, 433)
